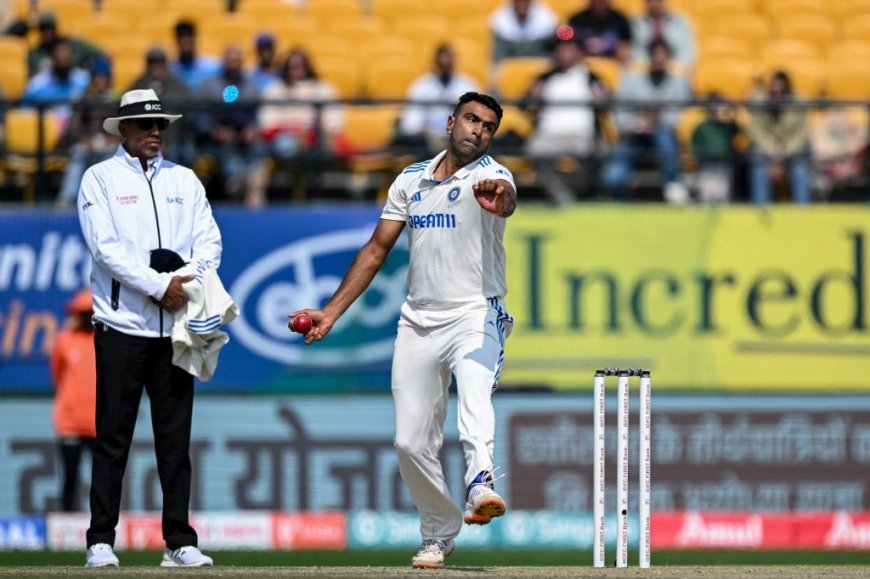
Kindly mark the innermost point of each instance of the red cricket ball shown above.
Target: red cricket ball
(300, 324)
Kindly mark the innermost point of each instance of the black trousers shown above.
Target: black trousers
(71, 450)
(126, 364)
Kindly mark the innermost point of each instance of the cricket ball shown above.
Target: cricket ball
(300, 324)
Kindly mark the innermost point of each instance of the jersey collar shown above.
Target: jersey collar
(460, 174)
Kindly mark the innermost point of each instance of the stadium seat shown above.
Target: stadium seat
(324, 10)
(714, 9)
(21, 136)
(268, 11)
(816, 28)
(388, 10)
(846, 9)
(388, 79)
(295, 32)
(784, 51)
(13, 77)
(776, 9)
(749, 27)
(849, 49)
(343, 72)
(809, 76)
(725, 47)
(66, 10)
(732, 78)
(630, 8)
(369, 128)
(608, 70)
(516, 121)
(514, 76)
(455, 10)
(359, 31)
(849, 80)
(856, 27)
(564, 9)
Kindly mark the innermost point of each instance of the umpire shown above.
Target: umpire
(142, 216)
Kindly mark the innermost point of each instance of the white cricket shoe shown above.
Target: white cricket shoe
(101, 555)
(431, 554)
(185, 557)
(482, 505)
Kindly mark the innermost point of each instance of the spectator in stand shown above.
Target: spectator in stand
(649, 130)
(779, 132)
(227, 128)
(266, 71)
(87, 141)
(714, 147)
(660, 23)
(565, 124)
(174, 93)
(605, 30)
(295, 129)
(839, 144)
(522, 28)
(74, 374)
(39, 56)
(190, 66)
(432, 97)
(62, 82)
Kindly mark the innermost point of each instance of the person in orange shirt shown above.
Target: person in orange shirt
(74, 373)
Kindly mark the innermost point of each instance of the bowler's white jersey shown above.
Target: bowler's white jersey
(457, 251)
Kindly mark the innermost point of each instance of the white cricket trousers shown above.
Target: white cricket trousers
(468, 344)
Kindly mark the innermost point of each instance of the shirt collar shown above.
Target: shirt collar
(133, 162)
(460, 174)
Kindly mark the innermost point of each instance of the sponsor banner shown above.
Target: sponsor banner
(705, 297)
(752, 531)
(22, 533)
(309, 530)
(273, 262)
(328, 454)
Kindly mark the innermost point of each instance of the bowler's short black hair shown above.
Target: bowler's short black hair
(481, 98)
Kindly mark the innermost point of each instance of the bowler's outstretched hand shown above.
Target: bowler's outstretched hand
(496, 196)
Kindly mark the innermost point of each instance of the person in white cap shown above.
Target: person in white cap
(142, 217)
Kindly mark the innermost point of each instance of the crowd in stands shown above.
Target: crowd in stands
(675, 100)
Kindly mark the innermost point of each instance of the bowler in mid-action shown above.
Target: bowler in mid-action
(453, 324)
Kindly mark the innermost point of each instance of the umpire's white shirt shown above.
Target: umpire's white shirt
(457, 254)
(125, 212)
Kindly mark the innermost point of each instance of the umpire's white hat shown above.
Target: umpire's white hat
(138, 104)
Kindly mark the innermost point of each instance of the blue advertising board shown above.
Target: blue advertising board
(274, 262)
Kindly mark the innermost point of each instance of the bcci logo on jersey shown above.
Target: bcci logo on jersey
(305, 273)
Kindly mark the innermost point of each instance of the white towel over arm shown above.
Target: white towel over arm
(196, 334)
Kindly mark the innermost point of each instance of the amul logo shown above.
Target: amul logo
(305, 274)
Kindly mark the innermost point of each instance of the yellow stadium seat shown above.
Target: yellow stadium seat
(689, 121)
(731, 78)
(849, 80)
(750, 27)
(268, 11)
(324, 10)
(845, 9)
(390, 47)
(514, 76)
(13, 77)
(426, 33)
(296, 32)
(22, 140)
(776, 9)
(323, 46)
(856, 28)
(816, 28)
(343, 73)
(630, 8)
(784, 51)
(66, 10)
(713, 9)
(369, 128)
(725, 47)
(455, 10)
(516, 121)
(388, 10)
(809, 77)
(125, 70)
(608, 70)
(388, 79)
(359, 31)
(564, 9)
(849, 49)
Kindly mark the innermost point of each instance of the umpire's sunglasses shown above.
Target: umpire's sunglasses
(146, 123)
